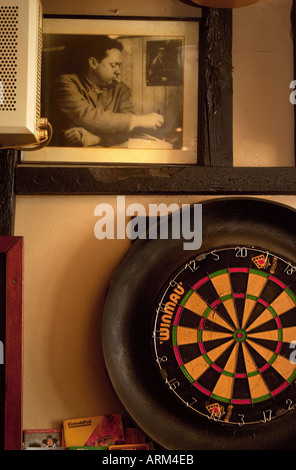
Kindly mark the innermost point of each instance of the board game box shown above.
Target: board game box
(100, 431)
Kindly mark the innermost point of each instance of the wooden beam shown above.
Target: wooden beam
(217, 88)
(7, 200)
(154, 180)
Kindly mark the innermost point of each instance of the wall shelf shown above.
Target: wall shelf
(155, 180)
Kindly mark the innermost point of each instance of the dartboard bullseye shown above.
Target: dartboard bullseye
(200, 345)
(223, 333)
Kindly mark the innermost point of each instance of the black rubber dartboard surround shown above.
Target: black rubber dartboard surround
(182, 406)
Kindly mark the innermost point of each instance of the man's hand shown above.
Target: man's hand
(149, 121)
(79, 137)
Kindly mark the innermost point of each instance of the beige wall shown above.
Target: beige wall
(263, 70)
(67, 269)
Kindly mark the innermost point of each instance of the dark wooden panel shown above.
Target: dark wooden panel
(217, 88)
(155, 180)
(7, 167)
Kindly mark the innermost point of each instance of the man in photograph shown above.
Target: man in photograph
(92, 106)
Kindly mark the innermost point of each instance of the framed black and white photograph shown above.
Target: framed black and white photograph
(120, 91)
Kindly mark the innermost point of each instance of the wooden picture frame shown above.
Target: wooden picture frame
(11, 360)
(158, 74)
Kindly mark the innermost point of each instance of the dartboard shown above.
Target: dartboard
(223, 333)
(200, 346)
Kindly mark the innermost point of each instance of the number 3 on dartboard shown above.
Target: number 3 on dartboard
(266, 416)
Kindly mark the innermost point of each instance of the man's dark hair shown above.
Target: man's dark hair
(86, 46)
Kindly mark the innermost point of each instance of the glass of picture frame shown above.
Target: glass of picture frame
(159, 76)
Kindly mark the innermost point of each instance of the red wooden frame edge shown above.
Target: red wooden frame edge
(12, 247)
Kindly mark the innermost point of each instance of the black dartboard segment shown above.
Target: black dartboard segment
(198, 345)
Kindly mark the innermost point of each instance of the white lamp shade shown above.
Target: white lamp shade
(225, 3)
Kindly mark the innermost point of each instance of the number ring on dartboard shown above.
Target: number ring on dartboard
(199, 345)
